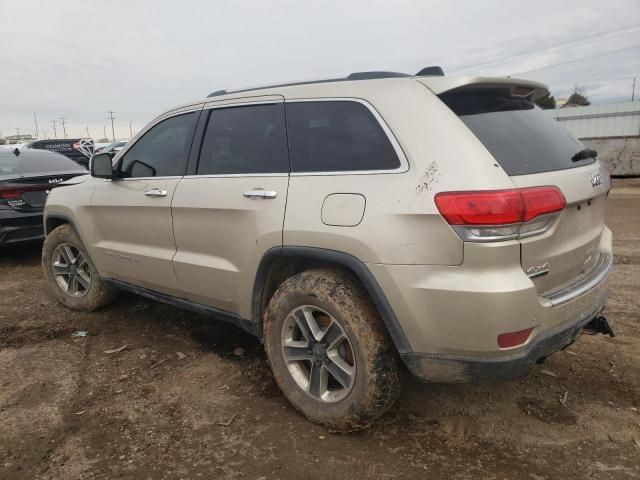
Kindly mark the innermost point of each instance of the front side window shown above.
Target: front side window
(162, 151)
(333, 136)
(243, 140)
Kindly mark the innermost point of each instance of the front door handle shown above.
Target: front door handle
(155, 192)
(260, 193)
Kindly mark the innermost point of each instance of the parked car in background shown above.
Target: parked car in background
(352, 224)
(25, 177)
(77, 149)
(111, 148)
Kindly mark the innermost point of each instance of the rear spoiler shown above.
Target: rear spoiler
(526, 88)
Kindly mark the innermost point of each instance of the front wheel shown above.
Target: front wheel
(328, 350)
(69, 272)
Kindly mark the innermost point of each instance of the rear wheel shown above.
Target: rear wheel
(329, 353)
(69, 272)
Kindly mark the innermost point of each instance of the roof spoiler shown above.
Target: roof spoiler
(520, 87)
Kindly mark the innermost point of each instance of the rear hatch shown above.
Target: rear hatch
(26, 177)
(29, 194)
(535, 151)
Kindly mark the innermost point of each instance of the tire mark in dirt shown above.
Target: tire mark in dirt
(71, 422)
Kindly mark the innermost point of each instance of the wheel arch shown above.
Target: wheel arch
(54, 221)
(280, 263)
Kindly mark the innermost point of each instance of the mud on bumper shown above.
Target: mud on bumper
(461, 369)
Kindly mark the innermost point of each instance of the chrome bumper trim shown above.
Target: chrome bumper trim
(566, 293)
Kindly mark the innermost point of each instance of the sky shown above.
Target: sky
(80, 59)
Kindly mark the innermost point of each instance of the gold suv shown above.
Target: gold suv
(353, 225)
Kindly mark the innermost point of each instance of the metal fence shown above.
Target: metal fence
(600, 121)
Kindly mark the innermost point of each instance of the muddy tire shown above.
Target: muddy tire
(70, 273)
(329, 352)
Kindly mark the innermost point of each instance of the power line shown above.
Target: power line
(113, 132)
(583, 59)
(554, 47)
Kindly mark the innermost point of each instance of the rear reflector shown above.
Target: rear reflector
(513, 339)
(498, 207)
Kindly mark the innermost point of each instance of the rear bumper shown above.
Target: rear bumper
(452, 316)
(463, 369)
(18, 228)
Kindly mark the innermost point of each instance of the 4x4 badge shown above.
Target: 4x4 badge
(538, 270)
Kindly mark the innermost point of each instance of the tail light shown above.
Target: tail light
(494, 215)
(14, 193)
(77, 146)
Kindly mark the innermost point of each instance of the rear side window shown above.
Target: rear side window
(242, 140)
(334, 136)
(162, 151)
(519, 135)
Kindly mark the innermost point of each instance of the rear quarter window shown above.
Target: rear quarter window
(520, 136)
(335, 136)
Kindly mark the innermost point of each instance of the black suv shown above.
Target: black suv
(79, 150)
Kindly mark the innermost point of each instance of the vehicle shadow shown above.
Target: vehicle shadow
(20, 254)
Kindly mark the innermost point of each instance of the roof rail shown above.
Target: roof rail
(375, 75)
(425, 72)
(292, 84)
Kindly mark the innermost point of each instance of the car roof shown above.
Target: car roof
(346, 86)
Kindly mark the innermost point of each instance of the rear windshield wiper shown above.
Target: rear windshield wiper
(584, 154)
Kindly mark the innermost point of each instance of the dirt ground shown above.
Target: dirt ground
(177, 403)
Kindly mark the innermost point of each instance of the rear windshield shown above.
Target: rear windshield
(34, 161)
(521, 137)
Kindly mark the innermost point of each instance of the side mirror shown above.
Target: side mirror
(101, 165)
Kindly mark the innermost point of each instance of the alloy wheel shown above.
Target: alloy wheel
(71, 270)
(318, 354)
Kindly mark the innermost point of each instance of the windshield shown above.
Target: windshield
(520, 136)
(34, 161)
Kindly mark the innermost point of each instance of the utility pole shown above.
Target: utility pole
(36, 120)
(88, 136)
(113, 132)
(55, 130)
(64, 128)
(130, 131)
(104, 131)
(633, 90)
(18, 130)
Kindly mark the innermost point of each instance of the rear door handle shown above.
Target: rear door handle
(260, 193)
(155, 192)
